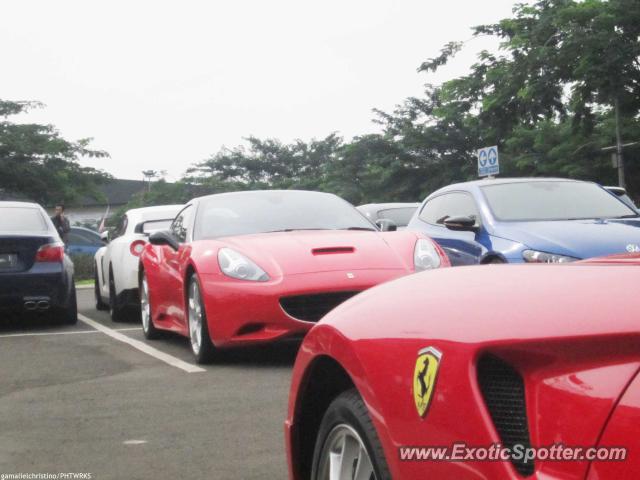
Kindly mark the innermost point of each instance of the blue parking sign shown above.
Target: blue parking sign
(488, 161)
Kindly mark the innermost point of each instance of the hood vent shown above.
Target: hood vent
(503, 391)
(332, 250)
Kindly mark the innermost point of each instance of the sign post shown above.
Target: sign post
(488, 162)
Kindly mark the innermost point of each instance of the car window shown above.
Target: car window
(180, 225)
(255, 212)
(553, 200)
(78, 237)
(21, 219)
(400, 216)
(122, 227)
(627, 201)
(454, 204)
(156, 225)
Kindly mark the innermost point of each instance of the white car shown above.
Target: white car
(116, 264)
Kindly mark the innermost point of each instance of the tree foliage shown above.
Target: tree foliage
(38, 164)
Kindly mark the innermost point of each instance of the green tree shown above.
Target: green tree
(560, 61)
(37, 163)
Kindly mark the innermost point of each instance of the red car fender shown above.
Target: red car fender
(621, 431)
(325, 341)
(575, 364)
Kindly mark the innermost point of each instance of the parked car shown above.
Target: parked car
(519, 356)
(35, 273)
(84, 241)
(116, 264)
(389, 215)
(252, 267)
(533, 220)
(622, 194)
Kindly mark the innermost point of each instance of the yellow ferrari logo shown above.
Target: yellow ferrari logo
(424, 378)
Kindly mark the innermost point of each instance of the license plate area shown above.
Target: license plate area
(8, 262)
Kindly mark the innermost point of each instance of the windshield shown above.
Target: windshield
(244, 213)
(553, 200)
(400, 216)
(18, 219)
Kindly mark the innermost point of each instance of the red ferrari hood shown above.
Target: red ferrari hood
(325, 251)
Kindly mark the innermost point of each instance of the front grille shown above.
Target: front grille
(503, 391)
(312, 308)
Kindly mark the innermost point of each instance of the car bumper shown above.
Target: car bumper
(241, 312)
(48, 286)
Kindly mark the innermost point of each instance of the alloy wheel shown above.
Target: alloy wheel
(195, 318)
(145, 308)
(345, 457)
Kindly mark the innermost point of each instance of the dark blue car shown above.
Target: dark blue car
(36, 276)
(537, 220)
(84, 241)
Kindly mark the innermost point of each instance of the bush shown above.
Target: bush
(83, 264)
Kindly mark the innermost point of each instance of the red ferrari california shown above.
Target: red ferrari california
(247, 267)
(474, 373)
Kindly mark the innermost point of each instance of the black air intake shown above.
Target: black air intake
(312, 308)
(503, 391)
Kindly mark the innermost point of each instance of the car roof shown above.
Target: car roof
(385, 206)
(75, 227)
(258, 193)
(502, 181)
(157, 208)
(20, 205)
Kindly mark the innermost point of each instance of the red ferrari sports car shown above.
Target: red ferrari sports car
(246, 267)
(480, 373)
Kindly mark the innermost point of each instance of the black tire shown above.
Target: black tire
(115, 311)
(349, 409)
(100, 305)
(495, 261)
(148, 328)
(206, 352)
(69, 316)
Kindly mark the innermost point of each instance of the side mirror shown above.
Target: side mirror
(164, 237)
(461, 224)
(104, 236)
(386, 225)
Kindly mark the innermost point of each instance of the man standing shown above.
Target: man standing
(61, 223)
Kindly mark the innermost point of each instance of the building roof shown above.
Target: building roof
(116, 192)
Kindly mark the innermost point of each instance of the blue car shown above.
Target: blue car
(84, 241)
(536, 220)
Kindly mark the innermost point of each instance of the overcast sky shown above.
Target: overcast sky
(161, 85)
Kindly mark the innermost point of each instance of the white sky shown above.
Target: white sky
(161, 85)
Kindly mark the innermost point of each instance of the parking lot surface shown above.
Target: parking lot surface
(89, 399)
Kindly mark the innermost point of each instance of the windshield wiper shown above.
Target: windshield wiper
(628, 216)
(364, 229)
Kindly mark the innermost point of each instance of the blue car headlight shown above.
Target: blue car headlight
(534, 256)
(236, 265)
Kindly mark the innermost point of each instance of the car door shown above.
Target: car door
(109, 252)
(174, 266)
(462, 247)
(79, 243)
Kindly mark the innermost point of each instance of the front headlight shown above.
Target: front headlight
(533, 256)
(425, 255)
(236, 265)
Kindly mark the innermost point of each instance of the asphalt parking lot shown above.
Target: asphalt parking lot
(76, 399)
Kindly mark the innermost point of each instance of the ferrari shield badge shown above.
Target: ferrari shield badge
(424, 378)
